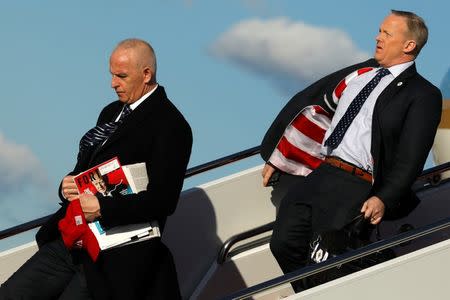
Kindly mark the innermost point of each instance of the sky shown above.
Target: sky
(229, 66)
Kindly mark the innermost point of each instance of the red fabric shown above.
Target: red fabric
(76, 232)
(297, 155)
(337, 93)
(309, 128)
(293, 153)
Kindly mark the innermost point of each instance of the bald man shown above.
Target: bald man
(142, 126)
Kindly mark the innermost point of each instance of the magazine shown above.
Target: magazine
(139, 174)
(103, 179)
(111, 178)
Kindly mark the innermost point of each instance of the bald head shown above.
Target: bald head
(141, 52)
(133, 69)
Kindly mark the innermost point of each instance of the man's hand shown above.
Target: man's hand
(69, 188)
(373, 209)
(90, 207)
(267, 173)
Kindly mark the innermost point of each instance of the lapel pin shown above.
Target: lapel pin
(399, 83)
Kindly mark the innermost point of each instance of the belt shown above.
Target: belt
(349, 168)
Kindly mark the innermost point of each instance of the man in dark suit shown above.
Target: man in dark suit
(154, 132)
(373, 150)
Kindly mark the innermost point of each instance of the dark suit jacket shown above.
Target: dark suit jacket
(405, 120)
(155, 133)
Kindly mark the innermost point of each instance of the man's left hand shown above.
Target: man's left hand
(373, 210)
(267, 172)
(90, 207)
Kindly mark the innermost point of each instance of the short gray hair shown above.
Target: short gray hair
(416, 27)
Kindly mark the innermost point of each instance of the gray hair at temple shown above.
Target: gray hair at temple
(147, 54)
(417, 28)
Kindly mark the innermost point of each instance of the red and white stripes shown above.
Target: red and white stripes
(298, 151)
(339, 89)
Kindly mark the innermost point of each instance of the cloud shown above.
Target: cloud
(19, 168)
(290, 54)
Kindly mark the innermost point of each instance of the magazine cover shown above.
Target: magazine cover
(103, 180)
(108, 179)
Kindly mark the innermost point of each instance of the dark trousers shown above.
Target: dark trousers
(327, 199)
(49, 274)
(290, 238)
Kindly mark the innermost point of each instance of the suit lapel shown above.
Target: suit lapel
(383, 101)
(143, 111)
(394, 87)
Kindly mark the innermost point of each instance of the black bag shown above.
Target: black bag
(330, 244)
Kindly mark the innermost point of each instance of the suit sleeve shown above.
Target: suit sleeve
(415, 141)
(313, 94)
(49, 231)
(302, 99)
(166, 168)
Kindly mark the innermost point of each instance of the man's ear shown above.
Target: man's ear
(148, 74)
(409, 46)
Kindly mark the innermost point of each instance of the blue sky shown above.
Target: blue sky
(229, 66)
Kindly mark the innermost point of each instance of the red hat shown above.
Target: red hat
(76, 232)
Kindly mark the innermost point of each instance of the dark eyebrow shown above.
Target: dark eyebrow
(120, 75)
(385, 31)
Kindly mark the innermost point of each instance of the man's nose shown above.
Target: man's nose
(114, 82)
(377, 37)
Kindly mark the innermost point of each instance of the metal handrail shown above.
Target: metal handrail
(435, 170)
(427, 175)
(226, 247)
(341, 259)
(190, 172)
(222, 161)
(23, 227)
(430, 175)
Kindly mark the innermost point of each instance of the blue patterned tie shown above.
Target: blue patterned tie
(353, 109)
(100, 133)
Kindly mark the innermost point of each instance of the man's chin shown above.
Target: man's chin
(122, 97)
(377, 57)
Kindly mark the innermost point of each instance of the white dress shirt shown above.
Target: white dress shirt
(356, 144)
(136, 103)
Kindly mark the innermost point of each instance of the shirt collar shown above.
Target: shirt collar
(398, 69)
(136, 103)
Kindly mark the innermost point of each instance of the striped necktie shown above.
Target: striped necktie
(353, 109)
(100, 133)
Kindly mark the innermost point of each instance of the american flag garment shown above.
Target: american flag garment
(298, 151)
